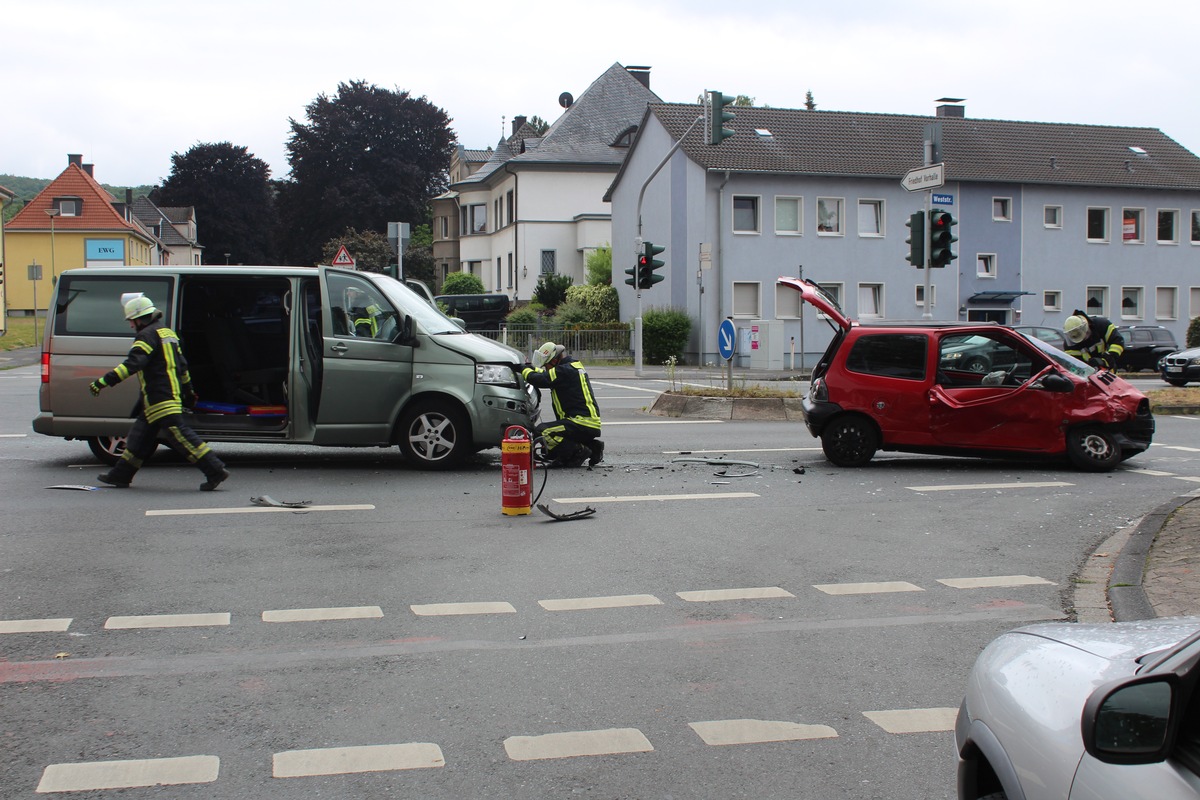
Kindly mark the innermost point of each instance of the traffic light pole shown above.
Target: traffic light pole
(927, 306)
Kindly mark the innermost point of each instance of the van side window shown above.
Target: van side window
(91, 305)
(889, 355)
(358, 310)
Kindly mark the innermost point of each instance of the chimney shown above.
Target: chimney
(129, 197)
(949, 110)
(75, 158)
(518, 121)
(641, 73)
(88, 168)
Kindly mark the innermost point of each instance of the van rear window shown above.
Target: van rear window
(90, 305)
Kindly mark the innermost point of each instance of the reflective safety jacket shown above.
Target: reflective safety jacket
(1103, 339)
(571, 390)
(157, 360)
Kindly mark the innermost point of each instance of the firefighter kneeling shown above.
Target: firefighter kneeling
(574, 437)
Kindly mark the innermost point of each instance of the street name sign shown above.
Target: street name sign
(929, 177)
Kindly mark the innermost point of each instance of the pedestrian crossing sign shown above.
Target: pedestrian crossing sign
(343, 259)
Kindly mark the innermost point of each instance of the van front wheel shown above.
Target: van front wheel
(432, 437)
(107, 449)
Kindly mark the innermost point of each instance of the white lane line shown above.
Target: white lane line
(458, 609)
(180, 512)
(1191, 479)
(1158, 473)
(882, 587)
(1181, 447)
(13, 435)
(347, 760)
(755, 731)
(967, 486)
(35, 625)
(613, 601)
(716, 595)
(914, 720)
(628, 387)
(577, 743)
(321, 614)
(746, 450)
(636, 498)
(89, 776)
(994, 582)
(166, 621)
(670, 422)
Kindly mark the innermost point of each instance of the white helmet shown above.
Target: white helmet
(139, 306)
(1076, 328)
(547, 353)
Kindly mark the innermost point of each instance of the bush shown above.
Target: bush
(462, 283)
(551, 290)
(571, 313)
(600, 301)
(664, 334)
(1193, 332)
(525, 315)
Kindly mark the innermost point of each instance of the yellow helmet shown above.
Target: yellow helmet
(1076, 328)
(139, 306)
(547, 353)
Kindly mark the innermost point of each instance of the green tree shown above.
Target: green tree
(231, 192)
(462, 283)
(551, 290)
(369, 249)
(599, 266)
(538, 124)
(364, 157)
(809, 102)
(602, 302)
(418, 256)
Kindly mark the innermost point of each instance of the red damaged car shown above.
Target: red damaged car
(950, 388)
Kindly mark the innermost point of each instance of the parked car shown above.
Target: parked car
(1145, 345)
(1051, 336)
(897, 387)
(1180, 367)
(1070, 712)
(479, 312)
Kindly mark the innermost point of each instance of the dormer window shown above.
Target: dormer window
(68, 206)
(625, 138)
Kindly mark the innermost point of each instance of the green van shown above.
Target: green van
(299, 355)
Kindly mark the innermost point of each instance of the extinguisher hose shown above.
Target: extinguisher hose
(545, 477)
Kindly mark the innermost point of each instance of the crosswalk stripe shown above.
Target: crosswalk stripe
(166, 621)
(914, 720)
(615, 601)
(346, 760)
(881, 587)
(35, 625)
(577, 743)
(714, 595)
(994, 582)
(88, 776)
(968, 486)
(457, 609)
(322, 614)
(633, 498)
(181, 512)
(754, 731)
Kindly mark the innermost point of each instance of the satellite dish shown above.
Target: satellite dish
(565, 100)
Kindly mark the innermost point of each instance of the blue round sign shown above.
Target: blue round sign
(726, 338)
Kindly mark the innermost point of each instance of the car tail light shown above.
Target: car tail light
(818, 391)
(45, 367)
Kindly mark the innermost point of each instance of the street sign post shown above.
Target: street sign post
(726, 339)
(921, 178)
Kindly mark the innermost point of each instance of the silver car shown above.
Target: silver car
(1085, 712)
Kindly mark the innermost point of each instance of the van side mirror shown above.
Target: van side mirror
(405, 336)
(460, 322)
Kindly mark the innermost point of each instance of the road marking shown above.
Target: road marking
(637, 497)
(964, 486)
(755, 731)
(746, 450)
(1191, 479)
(179, 512)
(456, 609)
(670, 422)
(35, 625)
(577, 743)
(715, 595)
(166, 621)
(867, 588)
(914, 720)
(1158, 473)
(628, 387)
(321, 614)
(347, 760)
(1181, 447)
(994, 582)
(94, 775)
(614, 601)
(13, 435)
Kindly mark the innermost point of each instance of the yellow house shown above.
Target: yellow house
(74, 222)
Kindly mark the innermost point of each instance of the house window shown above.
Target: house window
(510, 203)
(499, 275)
(511, 274)
(475, 268)
(475, 219)
(788, 213)
(834, 290)
(870, 218)
(1131, 302)
(444, 224)
(1052, 300)
(870, 300)
(67, 207)
(1165, 302)
(1132, 229)
(1052, 216)
(829, 216)
(1002, 209)
(1097, 300)
(745, 214)
(747, 299)
(496, 213)
(985, 265)
(1195, 226)
(787, 302)
(1168, 227)
(1097, 224)
(549, 262)
(920, 295)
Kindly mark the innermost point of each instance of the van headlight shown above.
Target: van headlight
(495, 374)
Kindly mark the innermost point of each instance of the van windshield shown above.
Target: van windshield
(425, 316)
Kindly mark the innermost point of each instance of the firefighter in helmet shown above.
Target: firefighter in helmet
(1093, 340)
(574, 437)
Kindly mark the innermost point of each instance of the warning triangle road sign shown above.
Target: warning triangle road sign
(343, 259)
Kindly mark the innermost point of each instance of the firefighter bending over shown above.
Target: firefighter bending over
(574, 437)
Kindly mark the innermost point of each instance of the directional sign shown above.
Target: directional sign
(726, 336)
(342, 259)
(929, 177)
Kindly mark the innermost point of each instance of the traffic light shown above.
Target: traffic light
(941, 237)
(647, 264)
(718, 116)
(916, 240)
(633, 273)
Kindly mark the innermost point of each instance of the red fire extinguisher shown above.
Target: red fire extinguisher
(516, 471)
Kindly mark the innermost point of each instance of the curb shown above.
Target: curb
(1126, 595)
(763, 409)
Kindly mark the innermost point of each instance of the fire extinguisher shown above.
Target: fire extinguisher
(516, 471)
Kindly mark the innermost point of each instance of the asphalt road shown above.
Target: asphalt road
(777, 629)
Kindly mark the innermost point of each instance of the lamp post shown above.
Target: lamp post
(52, 213)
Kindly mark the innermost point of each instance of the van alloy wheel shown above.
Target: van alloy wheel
(107, 449)
(432, 437)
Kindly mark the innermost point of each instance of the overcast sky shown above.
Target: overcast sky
(128, 83)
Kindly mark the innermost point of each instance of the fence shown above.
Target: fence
(588, 343)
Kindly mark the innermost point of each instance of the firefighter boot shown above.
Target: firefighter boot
(214, 470)
(119, 476)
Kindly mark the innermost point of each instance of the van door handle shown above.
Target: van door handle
(339, 347)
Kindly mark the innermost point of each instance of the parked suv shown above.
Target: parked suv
(901, 386)
(1145, 345)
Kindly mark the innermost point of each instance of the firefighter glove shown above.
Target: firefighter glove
(96, 386)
